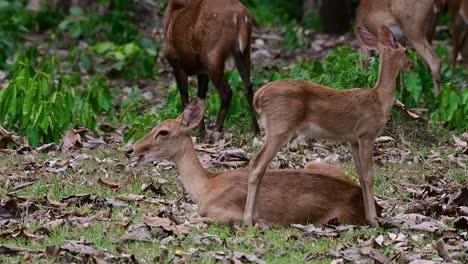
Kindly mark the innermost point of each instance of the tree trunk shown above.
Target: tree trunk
(335, 15)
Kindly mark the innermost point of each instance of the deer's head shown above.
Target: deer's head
(169, 139)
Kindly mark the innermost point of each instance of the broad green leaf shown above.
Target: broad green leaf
(103, 47)
(413, 85)
(32, 133)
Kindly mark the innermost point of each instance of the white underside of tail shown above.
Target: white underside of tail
(240, 41)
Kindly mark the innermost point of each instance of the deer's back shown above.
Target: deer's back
(201, 29)
(287, 196)
(320, 111)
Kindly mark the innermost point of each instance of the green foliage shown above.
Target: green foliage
(15, 22)
(141, 126)
(133, 60)
(294, 37)
(37, 104)
(452, 107)
(312, 20)
(115, 25)
(339, 69)
(272, 12)
(172, 107)
(43, 105)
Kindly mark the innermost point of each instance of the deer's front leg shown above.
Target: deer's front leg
(257, 169)
(182, 83)
(366, 148)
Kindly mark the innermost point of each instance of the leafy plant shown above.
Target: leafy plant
(115, 25)
(172, 107)
(133, 60)
(16, 21)
(452, 107)
(270, 12)
(43, 105)
(40, 107)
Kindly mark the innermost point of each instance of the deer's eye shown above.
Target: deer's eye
(163, 133)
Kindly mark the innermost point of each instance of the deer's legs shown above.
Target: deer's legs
(430, 57)
(257, 169)
(243, 65)
(357, 163)
(225, 93)
(202, 88)
(366, 149)
(182, 84)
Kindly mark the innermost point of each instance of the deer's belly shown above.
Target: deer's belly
(315, 131)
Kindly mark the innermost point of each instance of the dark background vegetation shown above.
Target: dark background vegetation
(85, 63)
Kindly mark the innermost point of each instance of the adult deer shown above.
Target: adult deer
(222, 195)
(405, 18)
(199, 37)
(356, 116)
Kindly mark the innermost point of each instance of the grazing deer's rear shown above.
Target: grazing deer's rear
(316, 194)
(199, 37)
(406, 18)
(355, 116)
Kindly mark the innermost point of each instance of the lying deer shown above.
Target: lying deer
(316, 194)
(356, 116)
(406, 18)
(199, 37)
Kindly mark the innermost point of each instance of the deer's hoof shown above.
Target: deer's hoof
(373, 222)
(216, 136)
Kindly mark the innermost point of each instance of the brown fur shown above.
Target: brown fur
(355, 116)
(313, 195)
(411, 16)
(199, 37)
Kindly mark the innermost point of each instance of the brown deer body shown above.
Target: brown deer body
(199, 37)
(313, 195)
(355, 116)
(406, 18)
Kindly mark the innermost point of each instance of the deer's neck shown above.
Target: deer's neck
(385, 86)
(194, 177)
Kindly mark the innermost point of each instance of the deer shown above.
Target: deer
(406, 19)
(458, 10)
(356, 116)
(221, 196)
(199, 38)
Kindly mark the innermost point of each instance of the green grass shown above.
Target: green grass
(274, 245)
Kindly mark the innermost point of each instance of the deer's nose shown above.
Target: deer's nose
(129, 152)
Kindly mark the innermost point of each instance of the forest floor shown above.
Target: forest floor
(88, 203)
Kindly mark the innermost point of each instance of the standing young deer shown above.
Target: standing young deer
(406, 18)
(199, 37)
(316, 194)
(355, 116)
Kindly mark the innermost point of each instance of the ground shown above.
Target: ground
(81, 200)
(86, 202)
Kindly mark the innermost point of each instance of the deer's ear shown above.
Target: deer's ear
(386, 37)
(367, 38)
(193, 113)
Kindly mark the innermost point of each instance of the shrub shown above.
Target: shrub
(43, 105)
